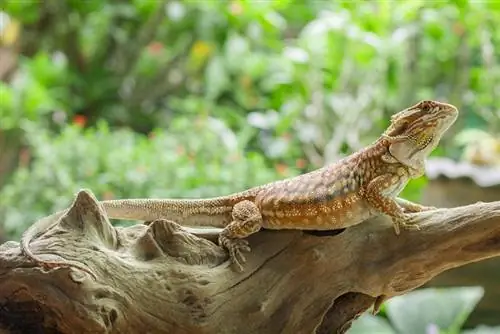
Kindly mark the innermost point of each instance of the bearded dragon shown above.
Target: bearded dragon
(342, 194)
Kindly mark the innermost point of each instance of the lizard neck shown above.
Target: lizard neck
(415, 168)
(377, 149)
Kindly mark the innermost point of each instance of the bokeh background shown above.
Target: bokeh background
(148, 98)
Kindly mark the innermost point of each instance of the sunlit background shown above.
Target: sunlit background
(202, 98)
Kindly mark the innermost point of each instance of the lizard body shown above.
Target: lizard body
(339, 195)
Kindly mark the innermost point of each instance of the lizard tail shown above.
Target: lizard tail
(215, 212)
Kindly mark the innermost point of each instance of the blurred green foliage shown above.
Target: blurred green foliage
(198, 159)
(431, 310)
(252, 90)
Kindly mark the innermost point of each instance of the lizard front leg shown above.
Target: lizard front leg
(374, 195)
(247, 219)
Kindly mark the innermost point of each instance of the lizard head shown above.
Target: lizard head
(416, 131)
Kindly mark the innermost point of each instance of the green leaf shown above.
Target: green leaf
(236, 48)
(435, 29)
(146, 7)
(482, 330)
(46, 70)
(7, 120)
(26, 11)
(37, 99)
(216, 78)
(462, 4)
(87, 6)
(368, 323)
(445, 308)
(256, 65)
(414, 188)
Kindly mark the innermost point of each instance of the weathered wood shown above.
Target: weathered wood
(455, 184)
(163, 279)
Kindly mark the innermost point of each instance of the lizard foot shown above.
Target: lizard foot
(406, 223)
(235, 247)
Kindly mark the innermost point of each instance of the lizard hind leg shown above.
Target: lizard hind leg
(247, 219)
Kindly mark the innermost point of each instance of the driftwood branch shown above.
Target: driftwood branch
(162, 279)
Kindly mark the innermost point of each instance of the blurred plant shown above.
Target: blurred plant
(479, 147)
(123, 164)
(380, 58)
(328, 72)
(430, 311)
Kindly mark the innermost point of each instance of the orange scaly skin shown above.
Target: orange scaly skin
(333, 197)
(336, 196)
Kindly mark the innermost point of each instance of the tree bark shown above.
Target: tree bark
(162, 278)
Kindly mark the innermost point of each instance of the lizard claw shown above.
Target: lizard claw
(235, 247)
(406, 223)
